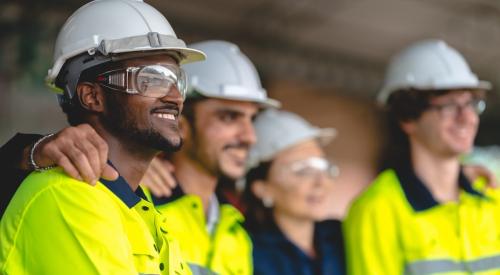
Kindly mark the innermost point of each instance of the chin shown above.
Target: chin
(234, 173)
(463, 148)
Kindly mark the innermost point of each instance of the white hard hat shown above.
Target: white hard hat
(429, 65)
(117, 26)
(226, 73)
(277, 130)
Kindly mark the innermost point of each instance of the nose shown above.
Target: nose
(173, 96)
(247, 132)
(322, 179)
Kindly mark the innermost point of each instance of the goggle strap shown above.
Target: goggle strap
(117, 79)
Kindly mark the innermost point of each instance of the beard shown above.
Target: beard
(213, 165)
(122, 123)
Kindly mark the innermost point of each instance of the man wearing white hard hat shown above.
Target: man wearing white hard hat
(224, 95)
(422, 215)
(287, 193)
(119, 73)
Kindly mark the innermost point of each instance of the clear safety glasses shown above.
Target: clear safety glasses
(313, 167)
(151, 80)
(452, 109)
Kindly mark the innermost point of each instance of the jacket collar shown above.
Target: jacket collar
(418, 195)
(123, 191)
(177, 193)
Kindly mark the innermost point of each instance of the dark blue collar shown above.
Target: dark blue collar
(177, 193)
(122, 190)
(328, 230)
(328, 242)
(417, 194)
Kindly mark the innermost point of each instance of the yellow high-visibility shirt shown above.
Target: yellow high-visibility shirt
(58, 225)
(396, 227)
(227, 250)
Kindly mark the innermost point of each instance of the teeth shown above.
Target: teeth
(165, 116)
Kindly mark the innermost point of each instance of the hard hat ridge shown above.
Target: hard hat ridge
(110, 28)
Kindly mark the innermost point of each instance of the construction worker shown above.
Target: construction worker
(287, 193)
(421, 215)
(120, 73)
(224, 96)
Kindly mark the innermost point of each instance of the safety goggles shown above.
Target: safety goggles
(313, 167)
(150, 80)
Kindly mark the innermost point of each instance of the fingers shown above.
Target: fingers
(473, 172)
(154, 182)
(69, 168)
(98, 144)
(109, 173)
(165, 169)
(159, 178)
(83, 164)
(490, 178)
(169, 180)
(79, 150)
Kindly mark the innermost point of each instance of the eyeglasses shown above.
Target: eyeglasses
(312, 168)
(151, 80)
(452, 109)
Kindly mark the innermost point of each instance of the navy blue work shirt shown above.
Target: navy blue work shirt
(274, 254)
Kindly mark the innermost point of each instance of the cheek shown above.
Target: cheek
(289, 196)
(432, 129)
(214, 140)
(220, 135)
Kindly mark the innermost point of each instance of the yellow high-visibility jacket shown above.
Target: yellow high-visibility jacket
(396, 227)
(58, 225)
(228, 250)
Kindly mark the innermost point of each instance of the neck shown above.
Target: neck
(130, 159)
(299, 231)
(193, 178)
(439, 174)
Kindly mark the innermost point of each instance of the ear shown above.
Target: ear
(260, 189)
(408, 127)
(91, 96)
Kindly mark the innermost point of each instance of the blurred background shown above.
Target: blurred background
(324, 59)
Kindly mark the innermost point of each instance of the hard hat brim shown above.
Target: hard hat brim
(385, 93)
(262, 102)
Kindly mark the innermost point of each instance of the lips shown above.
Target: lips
(315, 199)
(169, 112)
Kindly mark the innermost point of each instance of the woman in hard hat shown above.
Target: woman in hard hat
(287, 194)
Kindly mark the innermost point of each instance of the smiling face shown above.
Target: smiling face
(145, 120)
(445, 133)
(221, 136)
(298, 194)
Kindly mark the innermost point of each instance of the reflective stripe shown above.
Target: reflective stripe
(200, 270)
(436, 266)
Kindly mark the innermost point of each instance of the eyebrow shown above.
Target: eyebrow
(230, 110)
